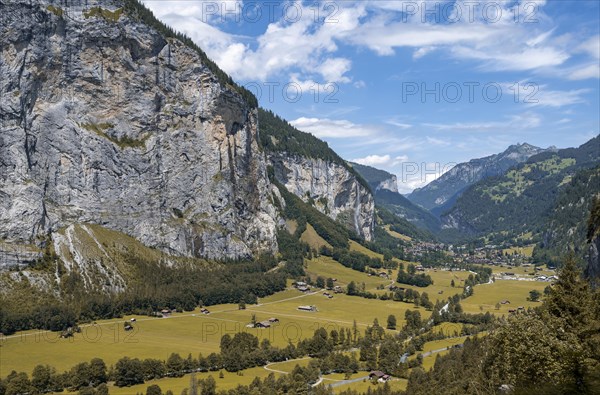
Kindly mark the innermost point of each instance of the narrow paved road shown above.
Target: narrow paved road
(281, 371)
(344, 382)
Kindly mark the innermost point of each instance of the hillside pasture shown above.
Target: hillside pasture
(312, 238)
(485, 296)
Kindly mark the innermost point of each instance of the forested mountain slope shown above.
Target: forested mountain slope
(440, 194)
(566, 225)
(524, 199)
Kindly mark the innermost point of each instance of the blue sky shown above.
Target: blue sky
(387, 83)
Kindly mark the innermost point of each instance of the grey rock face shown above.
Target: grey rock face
(334, 190)
(390, 184)
(106, 122)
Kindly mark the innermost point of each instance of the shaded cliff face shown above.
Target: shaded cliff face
(105, 121)
(385, 188)
(330, 187)
(592, 270)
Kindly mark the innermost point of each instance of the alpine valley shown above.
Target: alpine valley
(162, 233)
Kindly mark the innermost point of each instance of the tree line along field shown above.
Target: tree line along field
(193, 332)
(232, 380)
(196, 333)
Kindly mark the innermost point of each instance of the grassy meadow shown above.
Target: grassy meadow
(312, 238)
(486, 296)
(196, 333)
(193, 332)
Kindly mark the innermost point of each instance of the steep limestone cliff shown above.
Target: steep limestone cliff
(106, 121)
(389, 184)
(314, 172)
(330, 187)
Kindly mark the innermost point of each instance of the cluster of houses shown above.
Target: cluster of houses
(265, 324)
(70, 332)
(302, 286)
(381, 274)
(419, 248)
(513, 276)
(379, 376)
(165, 313)
(548, 279)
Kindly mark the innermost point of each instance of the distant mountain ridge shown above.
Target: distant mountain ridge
(377, 179)
(440, 194)
(385, 189)
(527, 199)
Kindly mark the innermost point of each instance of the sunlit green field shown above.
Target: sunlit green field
(354, 246)
(327, 267)
(312, 238)
(487, 295)
(229, 381)
(196, 333)
(441, 288)
(396, 234)
(445, 343)
(442, 282)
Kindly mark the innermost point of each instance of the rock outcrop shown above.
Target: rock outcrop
(389, 184)
(378, 179)
(331, 187)
(105, 121)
